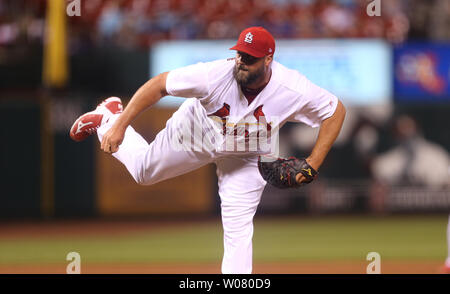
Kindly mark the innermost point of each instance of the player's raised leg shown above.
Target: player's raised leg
(147, 163)
(240, 190)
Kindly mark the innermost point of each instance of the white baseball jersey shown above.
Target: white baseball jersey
(289, 96)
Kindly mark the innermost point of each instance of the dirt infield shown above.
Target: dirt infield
(387, 267)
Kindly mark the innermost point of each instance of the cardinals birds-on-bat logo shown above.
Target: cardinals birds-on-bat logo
(223, 112)
(259, 115)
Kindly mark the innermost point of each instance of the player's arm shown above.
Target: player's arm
(147, 95)
(329, 130)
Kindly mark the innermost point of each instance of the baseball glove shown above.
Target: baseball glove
(281, 172)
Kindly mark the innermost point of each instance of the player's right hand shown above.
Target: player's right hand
(112, 139)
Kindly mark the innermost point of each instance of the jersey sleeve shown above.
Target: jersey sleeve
(189, 81)
(316, 105)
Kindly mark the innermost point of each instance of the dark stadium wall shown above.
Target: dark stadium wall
(95, 73)
(20, 158)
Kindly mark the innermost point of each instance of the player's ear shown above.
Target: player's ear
(268, 59)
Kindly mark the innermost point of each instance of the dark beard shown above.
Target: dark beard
(245, 80)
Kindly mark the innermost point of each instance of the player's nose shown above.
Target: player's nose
(239, 60)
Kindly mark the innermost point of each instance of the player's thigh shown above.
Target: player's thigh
(240, 189)
(239, 175)
(163, 160)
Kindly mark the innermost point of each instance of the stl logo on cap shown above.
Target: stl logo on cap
(248, 38)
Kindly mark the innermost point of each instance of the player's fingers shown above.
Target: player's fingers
(109, 146)
(300, 178)
(115, 145)
(104, 144)
(105, 140)
(114, 148)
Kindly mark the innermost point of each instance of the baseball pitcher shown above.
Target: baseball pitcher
(235, 106)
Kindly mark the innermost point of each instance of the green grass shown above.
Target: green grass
(275, 240)
(187, 245)
(352, 238)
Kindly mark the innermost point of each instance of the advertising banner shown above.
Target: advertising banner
(422, 72)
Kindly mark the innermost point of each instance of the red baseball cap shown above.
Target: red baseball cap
(255, 41)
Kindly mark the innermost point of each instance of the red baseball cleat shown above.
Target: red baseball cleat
(88, 123)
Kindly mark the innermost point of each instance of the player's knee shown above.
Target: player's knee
(140, 179)
(143, 179)
(140, 175)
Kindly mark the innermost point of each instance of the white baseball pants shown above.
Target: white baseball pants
(240, 185)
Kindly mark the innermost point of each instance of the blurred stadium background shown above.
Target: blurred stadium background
(385, 186)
